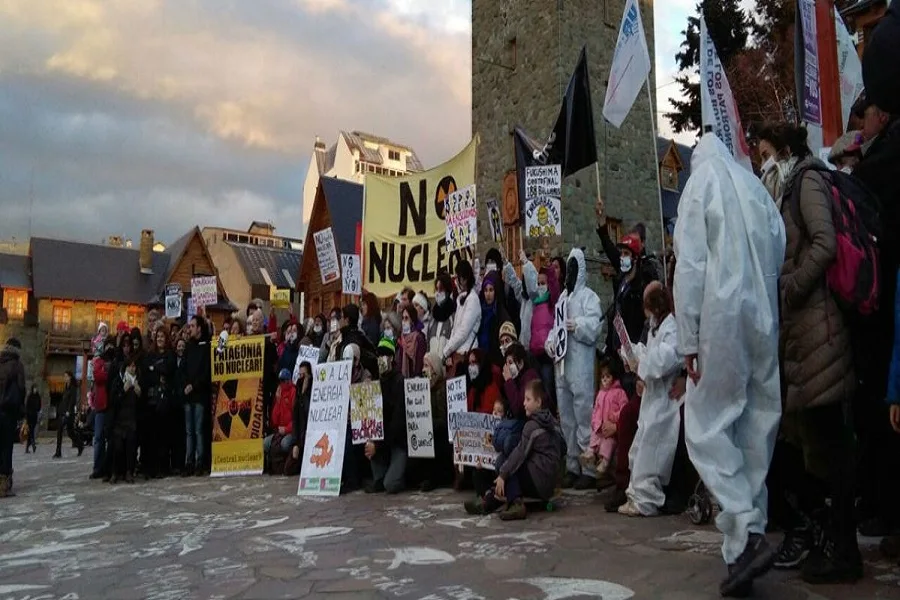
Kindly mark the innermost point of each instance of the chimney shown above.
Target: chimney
(146, 252)
(115, 241)
(319, 145)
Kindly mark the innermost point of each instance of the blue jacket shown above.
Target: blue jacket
(507, 435)
(893, 383)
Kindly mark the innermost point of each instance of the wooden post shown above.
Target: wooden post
(829, 77)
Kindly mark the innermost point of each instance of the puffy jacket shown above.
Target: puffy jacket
(283, 411)
(464, 336)
(101, 385)
(507, 435)
(539, 451)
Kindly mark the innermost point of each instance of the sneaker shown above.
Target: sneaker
(754, 561)
(619, 498)
(374, 487)
(587, 460)
(827, 565)
(794, 549)
(585, 483)
(743, 591)
(514, 512)
(569, 480)
(629, 510)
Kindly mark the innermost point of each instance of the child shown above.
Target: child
(609, 403)
(533, 466)
(507, 434)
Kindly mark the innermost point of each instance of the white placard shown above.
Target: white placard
(560, 316)
(351, 274)
(461, 217)
(496, 221)
(543, 214)
(419, 429)
(366, 413)
(457, 399)
(326, 430)
(473, 437)
(173, 300)
(204, 291)
(308, 354)
(327, 255)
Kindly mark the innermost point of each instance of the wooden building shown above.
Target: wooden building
(861, 18)
(338, 204)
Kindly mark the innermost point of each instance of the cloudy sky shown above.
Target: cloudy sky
(119, 115)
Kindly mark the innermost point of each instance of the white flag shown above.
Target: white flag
(718, 108)
(849, 67)
(630, 66)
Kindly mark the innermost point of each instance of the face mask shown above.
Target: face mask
(490, 267)
(768, 165)
(406, 328)
(389, 333)
(847, 170)
(317, 329)
(541, 290)
(473, 371)
(384, 364)
(625, 264)
(291, 337)
(504, 348)
(439, 297)
(513, 370)
(333, 326)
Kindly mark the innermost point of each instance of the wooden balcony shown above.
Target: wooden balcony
(66, 343)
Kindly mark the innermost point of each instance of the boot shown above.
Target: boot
(5, 487)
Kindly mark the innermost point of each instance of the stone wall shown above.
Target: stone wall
(548, 39)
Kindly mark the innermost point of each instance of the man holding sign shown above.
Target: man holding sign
(388, 457)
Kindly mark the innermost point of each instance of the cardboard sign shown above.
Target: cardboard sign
(560, 316)
(627, 348)
(351, 274)
(204, 291)
(281, 298)
(419, 429)
(308, 354)
(366, 413)
(327, 255)
(191, 308)
(173, 300)
(326, 430)
(473, 439)
(543, 190)
(457, 399)
(461, 216)
(496, 221)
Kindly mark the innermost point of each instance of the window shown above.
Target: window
(356, 166)
(62, 318)
(15, 302)
(668, 178)
(106, 314)
(614, 227)
(393, 155)
(136, 318)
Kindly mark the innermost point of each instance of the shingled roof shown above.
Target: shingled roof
(356, 141)
(345, 203)
(279, 265)
(15, 271)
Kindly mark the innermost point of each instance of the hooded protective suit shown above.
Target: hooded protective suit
(653, 450)
(729, 245)
(575, 386)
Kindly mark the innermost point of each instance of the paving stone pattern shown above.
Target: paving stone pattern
(64, 536)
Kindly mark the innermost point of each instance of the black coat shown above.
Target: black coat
(33, 406)
(197, 372)
(367, 358)
(393, 395)
(123, 411)
(156, 366)
(301, 414)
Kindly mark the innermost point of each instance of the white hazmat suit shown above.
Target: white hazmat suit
(575, 386)
(729, 248)
(653, 450)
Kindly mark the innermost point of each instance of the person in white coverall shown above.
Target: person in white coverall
(659, 421)
(575, 385)
(729, 248)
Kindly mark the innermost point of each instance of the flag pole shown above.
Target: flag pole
(662, 222)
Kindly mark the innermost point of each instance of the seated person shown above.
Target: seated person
(532, 470)
(282, 419)
(506, 435)
(388, 457)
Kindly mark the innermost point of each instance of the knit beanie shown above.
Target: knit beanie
(386, 347)
(508, 329)
(421, 301)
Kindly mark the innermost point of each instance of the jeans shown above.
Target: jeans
(287, 442)
(389, 466)
(193, 427)
(519, 485)
(99, 441)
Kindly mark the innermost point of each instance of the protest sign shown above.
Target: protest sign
(326, 253)
(457, 399)
(543, 216)
(204, 291)
(462, 219)
(419, 429)
(326, 430)
(308, 354)
(366, 412)
(496, 222)
(625, 341)
(404, 229)
(173, 300)
(351, 275)
(191, 308)
(560, 316)
(473, 439)
(281, 298)
(237, 375)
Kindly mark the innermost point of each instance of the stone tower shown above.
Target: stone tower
(523, 53)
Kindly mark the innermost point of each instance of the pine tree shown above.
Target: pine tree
(730, 30)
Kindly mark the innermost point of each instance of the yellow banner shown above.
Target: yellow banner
(241, 358)
(237, 447)
(404, 229)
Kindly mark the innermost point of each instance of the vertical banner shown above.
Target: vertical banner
(630, 66)
(457, 399)
(495, 220)
(473, 439)
(326, 253)
(173, 300)
(560, 316)
(543, 188)
(326, 430)
(366, 412)
(849, 67)
(204, 291)
(419, 428)
(462, 219)
(807, 63)
(351, 275)
(237, 374)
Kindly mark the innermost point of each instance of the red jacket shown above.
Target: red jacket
(491, 393)
(101, 375)
(283, 411)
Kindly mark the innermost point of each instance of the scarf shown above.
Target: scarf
(542, 298)
(410, 343)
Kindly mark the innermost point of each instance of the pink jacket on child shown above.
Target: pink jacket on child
(607, 406)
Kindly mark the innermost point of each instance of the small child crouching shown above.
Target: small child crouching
(532, 468)
(506, 435)
(609, 403)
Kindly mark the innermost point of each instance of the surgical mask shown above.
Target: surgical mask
(333, 326)
(474, 371)
(439, 297)
(768, 165)
(847, 170)
(388, 333)
(513, 370)
(291, 337)
(491, 266)
(504, 348)
(317, 329)
(407, 328)
(625, 264)
(384, 364)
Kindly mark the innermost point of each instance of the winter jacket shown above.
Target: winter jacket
(815, 345)
(12, 384)
(367, 358)
(514, 390)
(438, 404)
(300, 414)
(157, 365)
(393, 394)
(484, 392)
(197, 372)
(539, 451)
(607, 406)
(68, 403)
(522, 290)
(542, 316)
(101, 385)
(288, 358)
(124, 406)
(464, 336)
(33, 406)
(507, 435)
(372, 329)
(411, 365)
(283, 411)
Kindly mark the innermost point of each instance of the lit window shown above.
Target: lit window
(136, 318)
(62, 318)
(15, 302)
(106, 314)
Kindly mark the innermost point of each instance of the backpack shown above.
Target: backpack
(853, 277)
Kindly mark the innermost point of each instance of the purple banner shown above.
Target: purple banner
(812, 101)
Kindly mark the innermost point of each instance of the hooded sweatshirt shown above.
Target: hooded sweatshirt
(539, 451)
